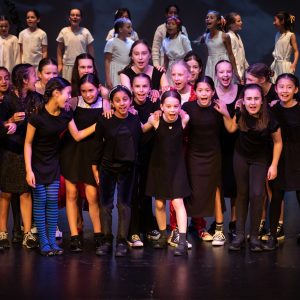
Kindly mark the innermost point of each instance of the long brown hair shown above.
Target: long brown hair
(263, 115)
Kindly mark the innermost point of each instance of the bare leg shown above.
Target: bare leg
(26, 210)
(160, 211)
(4, 210)
(71, 206)
(94, 210)
(181, 216)
(218, 207)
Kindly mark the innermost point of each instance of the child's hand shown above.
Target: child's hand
(132, 110)
(161, 68)
(154, 95)
(221, 107)
(273, 102)
(293, 68)
(108, 113)
(18, 116)
(30, 178)
(238, 104)
(272, 172)
(96, 176)
(11, 128)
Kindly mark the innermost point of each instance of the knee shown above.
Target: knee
(160, 205)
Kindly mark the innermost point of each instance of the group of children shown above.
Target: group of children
(165, 132)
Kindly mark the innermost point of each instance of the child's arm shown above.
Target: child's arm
(125, 80)
(296, 53)
(21, 52)
(78, 135)
(227, 43)
(60, 51)
(277, 148)
(164, 83)
(156, 45)
(230, 124)
(90, 49)
(184, 118)
(44, 51)
(166, 61)
(107, 61)
(30, 178)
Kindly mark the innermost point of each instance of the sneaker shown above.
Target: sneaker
(280, 232)
(104, 249)
(4, 242)
(56, 249)
(255, 245)
(17, 236)
(232, 230)
(174, 238)
(135, 241)
(205, 236)
(237, 243)
(262, 229)
(271, 244)
(181, 250)
(76, 244)
(34, 230)
(121, 249)
(153, 235)
(29, 240)
(218, 239)
(58, 234)
(161, 243)
(46, 250)
(265, 237)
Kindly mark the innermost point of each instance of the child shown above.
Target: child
(287, 112)
(76, 160)
(167, 176)
(140, 56)
(47, 69)
(113, 164)
(204, 158)
(285, 45)
(33, 40)
(196, 66)
(19, 104)
(228, 92)
(72, 41)
(42, 159)
(116, 52)
(142, 220)
(232, 26)
(218, 44)
(160, 34)
(251, 160)
(9, 47)
(175, 45)
(122, 13)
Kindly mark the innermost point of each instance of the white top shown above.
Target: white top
(159, 35)
(111, 34)
(238, 52)
(75, 43)
(32, 42)
(9, 52)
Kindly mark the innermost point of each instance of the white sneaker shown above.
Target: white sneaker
(135, 241)
(205, 236)
(218, 238)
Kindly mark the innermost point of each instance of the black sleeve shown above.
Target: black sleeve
(3, 130)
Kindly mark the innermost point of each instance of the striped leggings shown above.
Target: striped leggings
(45, 211)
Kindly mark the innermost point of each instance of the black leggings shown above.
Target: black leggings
(275, 206)
(250, 179)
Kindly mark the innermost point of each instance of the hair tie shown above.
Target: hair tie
(292, 19)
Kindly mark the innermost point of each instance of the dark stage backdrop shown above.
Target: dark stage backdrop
(258, 31)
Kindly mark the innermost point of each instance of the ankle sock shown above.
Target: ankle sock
(219, 226)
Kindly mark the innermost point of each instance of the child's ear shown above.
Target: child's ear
(161, 107)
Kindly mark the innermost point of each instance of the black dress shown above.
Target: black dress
(167, 175)
(75, 159)
(203, 158)
(155, 77)
(289, 163)
(227, 146)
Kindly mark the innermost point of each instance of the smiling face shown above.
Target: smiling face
(140, 56)
(75, 17)
(4, 28)
(195, 69)
(286, 89)
(252, 101)
(48, 72)
(171, 108)
(85, 66)
(141, 89)
(224, 74)
(4, 81)
(62, 96)
(180, 77)
(204, 93)
(121, 103)
(32, 20)
(89, 92)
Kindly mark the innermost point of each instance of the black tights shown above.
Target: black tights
(275, 206)
(250, 179)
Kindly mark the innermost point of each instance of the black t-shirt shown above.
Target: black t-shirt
(116, 142)
(45, 146)
(256, 145)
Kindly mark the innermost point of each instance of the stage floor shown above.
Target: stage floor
(207, 272)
